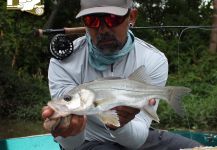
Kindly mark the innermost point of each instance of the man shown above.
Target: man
(110, 49)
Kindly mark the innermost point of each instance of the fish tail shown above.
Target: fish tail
(175, 95)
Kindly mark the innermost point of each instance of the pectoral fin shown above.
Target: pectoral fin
(110, 117)
(150, 111)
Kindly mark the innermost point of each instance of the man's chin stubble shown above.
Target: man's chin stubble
(109, 49)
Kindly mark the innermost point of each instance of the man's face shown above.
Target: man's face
(109, 39)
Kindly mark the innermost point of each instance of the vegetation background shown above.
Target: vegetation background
(24, 58)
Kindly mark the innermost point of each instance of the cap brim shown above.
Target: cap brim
(110, 10)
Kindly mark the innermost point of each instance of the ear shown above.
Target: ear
(133, 16)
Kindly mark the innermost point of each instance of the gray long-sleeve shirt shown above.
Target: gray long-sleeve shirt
(74, 70)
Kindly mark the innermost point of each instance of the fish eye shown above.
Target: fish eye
(67, 98)
(95, 104)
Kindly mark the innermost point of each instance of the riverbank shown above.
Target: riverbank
(20, 128)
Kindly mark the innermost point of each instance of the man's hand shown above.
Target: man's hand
(126, 114)
(76, 124)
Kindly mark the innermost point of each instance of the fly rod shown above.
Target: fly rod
(66, 31)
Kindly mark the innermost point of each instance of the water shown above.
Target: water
(20, 128)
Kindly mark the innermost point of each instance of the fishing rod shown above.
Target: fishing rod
(81, 30)
(61, 45)
(182, 27)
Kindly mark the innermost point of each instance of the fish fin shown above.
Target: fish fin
(110, 117)
(140, 75)
(174, 99)
(151, 112)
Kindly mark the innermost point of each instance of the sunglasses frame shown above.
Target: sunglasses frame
(101, 18)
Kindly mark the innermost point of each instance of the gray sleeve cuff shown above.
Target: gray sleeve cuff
(71, 142)
(132, 135)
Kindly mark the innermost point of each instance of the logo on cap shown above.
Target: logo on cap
(31, 6)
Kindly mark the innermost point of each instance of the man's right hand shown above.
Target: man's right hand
(76, 125)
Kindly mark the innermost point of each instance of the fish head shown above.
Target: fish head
(75, 103)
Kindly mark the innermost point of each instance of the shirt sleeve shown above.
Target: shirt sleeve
(60, 81)
(134, 134)
(71, 142)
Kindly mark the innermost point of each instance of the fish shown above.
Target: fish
(98, 97)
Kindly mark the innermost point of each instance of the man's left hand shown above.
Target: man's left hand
(126, 114)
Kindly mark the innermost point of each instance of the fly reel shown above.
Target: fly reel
(61, 46)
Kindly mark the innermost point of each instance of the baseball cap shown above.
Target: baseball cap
(116, 7)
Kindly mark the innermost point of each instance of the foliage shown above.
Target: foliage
(65, 16)
(21, 96)
(175, 41)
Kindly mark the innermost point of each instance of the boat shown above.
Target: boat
(46, 141)
(35, 142)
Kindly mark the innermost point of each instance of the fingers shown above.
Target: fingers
(152, 102)
(79, 123)
(111, 127)
(75, 125)
(125, 120)
(46, 112)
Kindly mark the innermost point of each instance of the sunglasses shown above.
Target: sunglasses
(95, 20)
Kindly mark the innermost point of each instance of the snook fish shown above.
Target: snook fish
(98, 97)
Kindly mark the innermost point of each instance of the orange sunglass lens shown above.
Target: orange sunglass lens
(91, 21)
(113, 20)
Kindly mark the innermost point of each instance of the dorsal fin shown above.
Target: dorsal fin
(140, 75)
